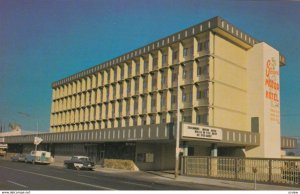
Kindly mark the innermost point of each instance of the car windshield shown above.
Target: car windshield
(84, 159)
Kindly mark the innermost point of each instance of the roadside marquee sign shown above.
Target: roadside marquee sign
(201, 132)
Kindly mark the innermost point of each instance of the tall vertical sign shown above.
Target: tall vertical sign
(263, 92)
(272, 86)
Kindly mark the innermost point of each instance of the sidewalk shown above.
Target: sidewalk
(169, 176)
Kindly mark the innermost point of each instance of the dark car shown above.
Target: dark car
(79, 162)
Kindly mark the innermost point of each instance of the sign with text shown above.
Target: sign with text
(272, 87)
(201, 132)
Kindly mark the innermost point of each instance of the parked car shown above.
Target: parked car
(79, 162)
(42, 157)
(18, 157)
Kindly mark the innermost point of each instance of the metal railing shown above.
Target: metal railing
(282, 171)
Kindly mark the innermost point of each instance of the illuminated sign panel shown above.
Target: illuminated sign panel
(201, 132)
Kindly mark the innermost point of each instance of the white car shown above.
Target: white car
(43, 157)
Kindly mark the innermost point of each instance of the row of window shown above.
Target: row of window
(133, 121)
(88, 98)
(89, 83)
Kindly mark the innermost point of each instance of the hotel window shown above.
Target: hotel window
(144, 104)
(136, 104)
(145, 66)
(152, 119)
(91, 82)
(206, 45)
(202, 93)
(153, 103)
(184, 73)
(202, 119)
(134, 121)
(162, 100)
(154, 81)
(187, 118)
(174, 56)
(183, 97)
(164, 59)
(100, 111)
(185, 52)
(90, 97)
(128, 107)
(119, 122)
(102, 80)
(163, 79)
(128, 87)
(192, 51)
(145, 84)
(108, 76)
(112, 123)
(174, 75)
(173, 118)
(155, 61)
(163, 118)
(106, 110)
(174, 99)
(120, 108)
(114, 91)
(144, 120)
(107, 94)
(203, 46)
(202, 69)
(136, 86)
(115, 74)
(127, 122)
(113, 109)
(121, 90)
(137, 69)
(129, 70)
(122, 72)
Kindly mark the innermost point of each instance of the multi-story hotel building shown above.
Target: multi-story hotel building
(228, 97)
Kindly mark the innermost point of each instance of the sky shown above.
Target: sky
(42, 41)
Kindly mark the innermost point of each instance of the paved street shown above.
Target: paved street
(21, 176)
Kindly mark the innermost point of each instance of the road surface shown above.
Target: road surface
(21, 176)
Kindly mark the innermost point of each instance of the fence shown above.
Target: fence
(283, 171)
